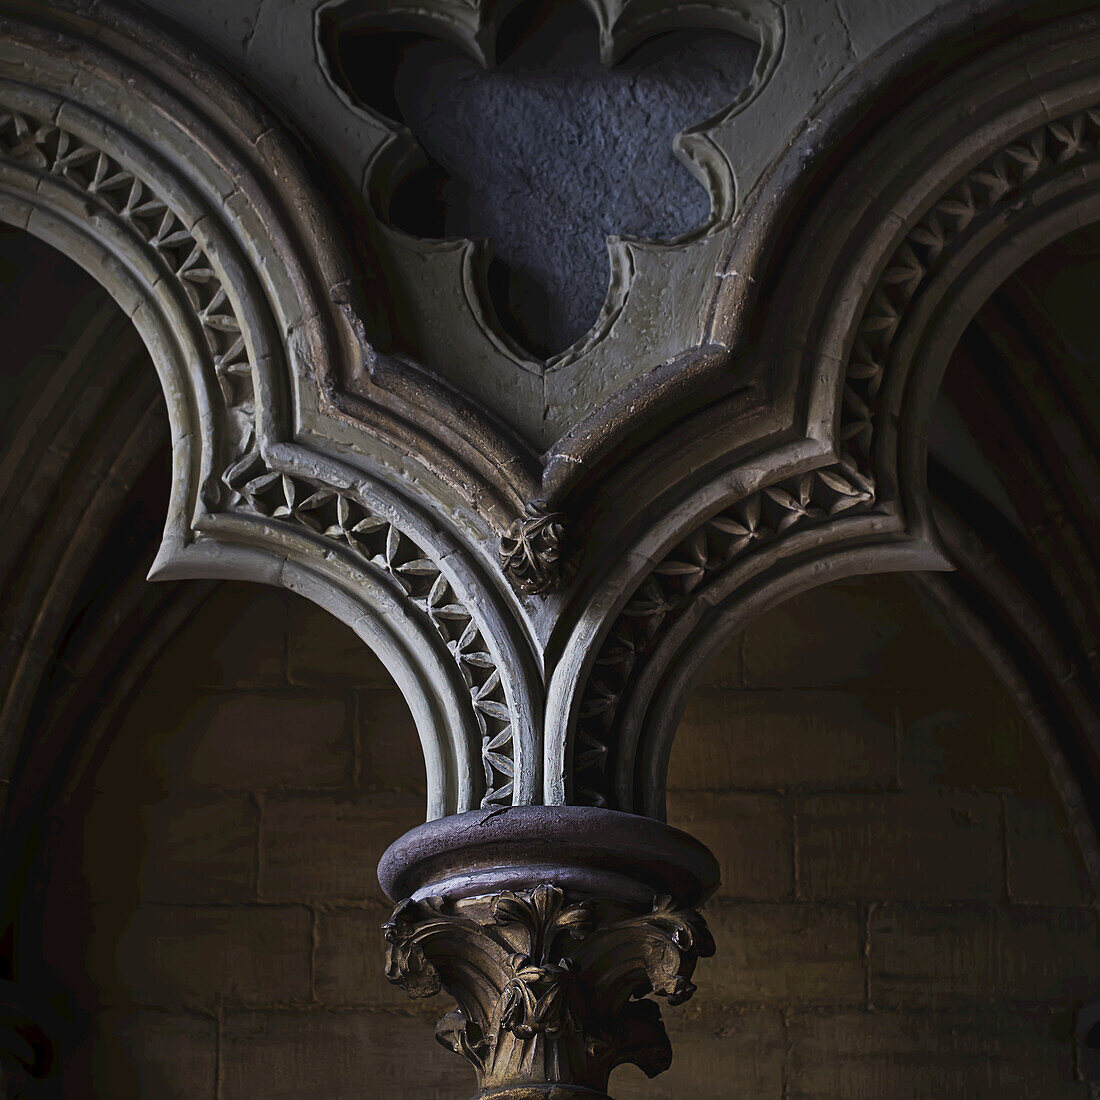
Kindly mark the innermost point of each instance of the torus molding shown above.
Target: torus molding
(549, 926)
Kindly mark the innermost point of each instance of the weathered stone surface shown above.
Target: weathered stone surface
(324, 652)
(182, 955)
(774, 740)
(931, 956)
(553, 152)
(896, 845)
(783, 953)
(339, 1055)
(327, 846)
(191, 846)
(349, 961)
(147, 1055)
(868, 1056)
(749, 833)
(1044, 866)
(740, 1054)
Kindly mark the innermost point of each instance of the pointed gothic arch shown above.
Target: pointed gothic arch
(544, 599)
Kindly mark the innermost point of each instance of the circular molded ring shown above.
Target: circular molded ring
(602, 853)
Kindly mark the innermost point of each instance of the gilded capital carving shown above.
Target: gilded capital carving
(550, 987)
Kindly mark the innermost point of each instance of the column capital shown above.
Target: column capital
(593, 911)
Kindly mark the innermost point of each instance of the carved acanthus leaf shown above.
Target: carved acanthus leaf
(548, 988)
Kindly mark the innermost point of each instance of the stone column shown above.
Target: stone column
(550, 926)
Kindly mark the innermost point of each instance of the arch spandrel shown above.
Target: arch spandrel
(598, 419)
(869, 303)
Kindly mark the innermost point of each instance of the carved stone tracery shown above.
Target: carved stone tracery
(848, 487)
(49, 148)
(989, 187)
(548, 974)
(248, 485)
(711, 549)
(472, 32)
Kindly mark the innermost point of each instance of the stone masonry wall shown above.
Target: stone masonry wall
(901, 915)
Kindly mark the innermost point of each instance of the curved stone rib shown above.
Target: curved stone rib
(676, 582)
(991, 187)
(39, 144)
(229, 356)
(378, 544)
(849, 486)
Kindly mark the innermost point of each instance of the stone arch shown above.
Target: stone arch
(781, 446)
(198, 221)
(867, 308)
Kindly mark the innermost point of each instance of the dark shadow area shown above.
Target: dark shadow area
(82, 426)
(1016, 424)
(1015, 462)
(1026, 367)
(44, 302)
